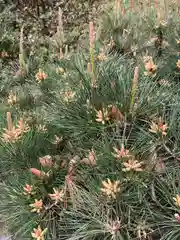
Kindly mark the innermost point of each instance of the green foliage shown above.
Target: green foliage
(66, 137)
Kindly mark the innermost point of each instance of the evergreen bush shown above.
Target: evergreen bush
(90, 140)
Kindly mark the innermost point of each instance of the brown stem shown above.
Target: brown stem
(9, 121)
(169, 151)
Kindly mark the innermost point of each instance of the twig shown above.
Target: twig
(124, 133)
(169, 151)
(30, 14)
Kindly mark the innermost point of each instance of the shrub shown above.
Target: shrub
(90, 140)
